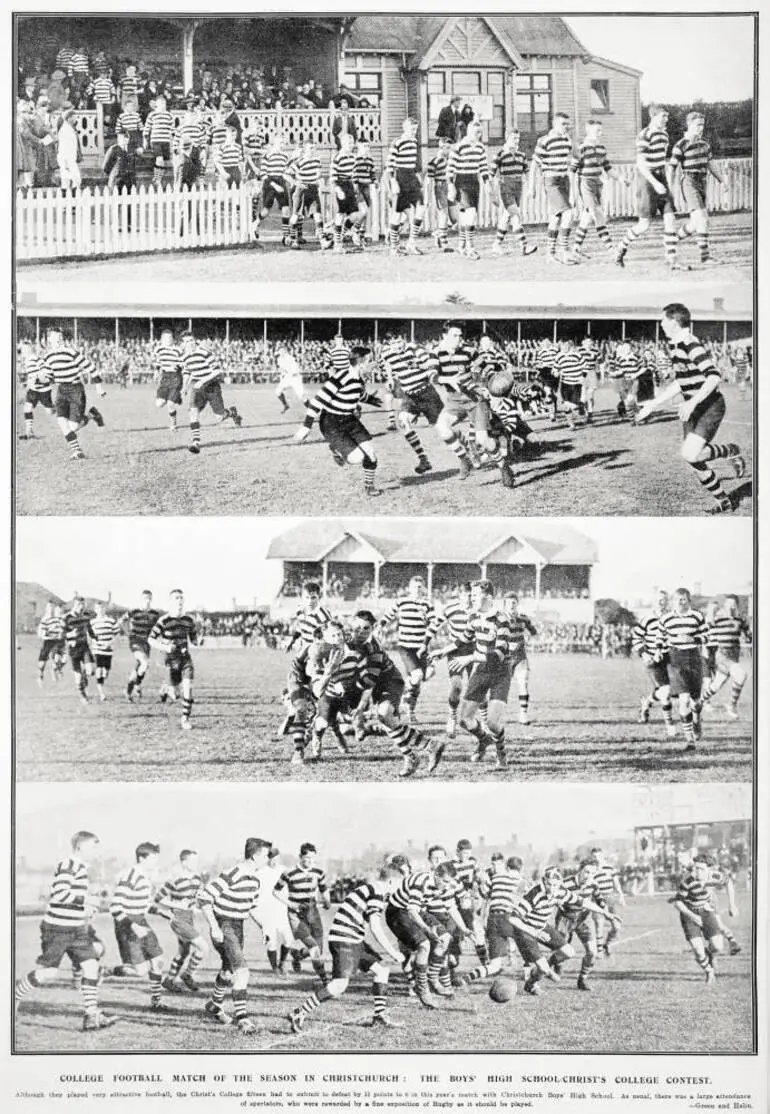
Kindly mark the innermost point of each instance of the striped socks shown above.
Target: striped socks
(239, 1005)
(553, 235)
(722, 452)
(709, 481)
(416, 444)
(195, 433)
(406, 738)
(89, 990)
(72, 440)
(29, 421)
(669, 247)
(156, 988)
(369, 467)
(703, 246)
(172, 419)
(689, 730)
(380, 999)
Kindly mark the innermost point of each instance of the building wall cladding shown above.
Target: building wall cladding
(622, 122)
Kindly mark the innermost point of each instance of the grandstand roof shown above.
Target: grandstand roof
(439, 541)
(415, 34)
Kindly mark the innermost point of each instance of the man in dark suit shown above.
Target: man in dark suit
(447, 120)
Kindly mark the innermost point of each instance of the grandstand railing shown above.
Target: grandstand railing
(103, 222)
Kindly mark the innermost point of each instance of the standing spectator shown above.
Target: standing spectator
(120, 165)
(40, 124)
(343, 125)
(79, 68)
(129, 83)
(466, 116)
(232, 119)
(27, 144)
(148, 95)
(104, 94)
(68, 151)
(448, 120)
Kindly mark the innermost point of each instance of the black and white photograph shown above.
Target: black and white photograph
(646, 414)
(220, 918)
(384, 650)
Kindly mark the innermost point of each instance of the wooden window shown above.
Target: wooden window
(368, 86)
(600, 95)
(534, 107)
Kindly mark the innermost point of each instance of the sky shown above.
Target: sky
(216, 560)
(345, 819)
(682, 59)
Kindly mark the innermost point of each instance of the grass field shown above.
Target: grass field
(584, 728)
(269, 262)
(136, 466)
(649, 996)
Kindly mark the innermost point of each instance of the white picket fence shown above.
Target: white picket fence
(50, 225)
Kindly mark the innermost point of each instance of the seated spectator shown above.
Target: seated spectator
(343, 95)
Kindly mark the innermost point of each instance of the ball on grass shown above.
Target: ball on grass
(502, 990)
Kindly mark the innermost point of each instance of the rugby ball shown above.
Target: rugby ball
(499, 384)
(502, 990)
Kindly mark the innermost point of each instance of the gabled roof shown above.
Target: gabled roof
(414, 35)
(438, 540)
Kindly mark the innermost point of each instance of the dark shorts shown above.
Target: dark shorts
(405, 930)
(170, 387)
(572, 392)
(411, 660)
(51, 647)
(685, 672)
(390, 687)
(343, 432)
(364, 194)
(548, 379)
(591, 190)
(531, 949)
(557, 195)
(305, 924)
(658, 671)
(77, 942)
(103, 661)
(234, 175)
(306, 199)
(468, 190)
(272, 194)
(457, 667)
(645, 388)
(40, 398)
(409, 190)
(139, 646)
(441, 195)
(510, 191)
(706, 419)
(350, 957)
(651, 203)
(161, 150)
(79, 656)
(694, 190)
(230, 950)
(209, 394)
(492, 682)
(180, 669)
(183, 925)
(499, 932)
(134, 950)
(711, 926)
(347, 204)
(71, 401)
(425, 403)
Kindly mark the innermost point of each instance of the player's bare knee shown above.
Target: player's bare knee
(336, 987)
(567, 951)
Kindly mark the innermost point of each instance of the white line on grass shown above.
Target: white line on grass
(632, 939)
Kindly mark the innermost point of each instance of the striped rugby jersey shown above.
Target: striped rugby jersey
(133, 895)
(129, 86)
(456, 617)
(169, 360)
(39, 376)
(569, 367)
(178, 630)
(504, 892)
(64, 59)
(375, 665)
(342, 393)
(682, 632)
(342, 166)
(591, 160)
(181, 890)
(725, 634)
(307, 625)
(491, 637)
(67, 896)
(547, 355)
(159, 126)
(303, 887)
(77, 630)
(693, 155)
(252, 145)
(695, 894)
(652, 147)
(308, 170)
(364, 173)
(691, 365)
(448, 893)
(625, 365)
(217, 134)
(192, 132)
(230, 155)
(604, 880)
(520, 626)
(140, 622)
(404, 154)
(344, 672)
(403, 365)
(553, 154)
(200, 367)
(414, 891)
(68, 365)
(105, 630)
(576, 893)
(275, 163)
(536, 906)
(79, 62)
(104, 90)
(51, 629)
(452, 370)
(416, 622)
(339, 357)
(129, 121)
(511, 164)
(467, 873)
(506, 410)
(645, 637)
(355, 913)
(437, 167)
(468, 157)
(232, 894)
(589, 358)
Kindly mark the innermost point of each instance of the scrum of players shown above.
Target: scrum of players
(409, 921)
(344, 685)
